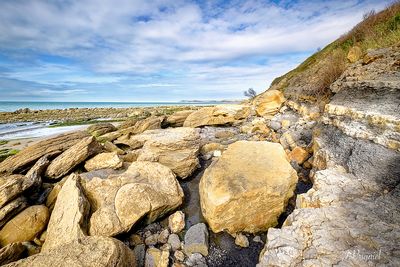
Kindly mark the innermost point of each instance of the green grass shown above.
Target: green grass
(80, 122)
(3, 142)
(5, 153)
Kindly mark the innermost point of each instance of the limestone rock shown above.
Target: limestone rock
(88, 251)
(176, 222)
(110, 147)
(176, 148)
(241, 240)
(76, 154)
(101, 128)
(355, 53)
(11, 209)
(178, 118)
(218, 115)
(156, 258)
(196, 240)
(25, 226)
(150, 123)
(11, 252)
(115, 211)
(52, 196)
(299, 155)
(269, 102)
(238, 194)
(104, 161)
(52, 146)
(174, 242)
(68, 216)
(163, 236)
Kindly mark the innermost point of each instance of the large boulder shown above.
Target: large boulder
(76, 154)
(247, 188)
(176, 148)
(25, 226)
(269, 102)
(217, 115)
(68, 217)
(146, 190)
(52, 146)
(104, 161)
(87, 251)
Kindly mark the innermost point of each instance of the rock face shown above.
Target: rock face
(52, 146)
(89, 251)
(269, 103)
(100, 129)
(155, 191)
(238, 194)
(76, 154)
(218, 115)
(25, 226)
(68, 216)
(104, 161)
(176, 148)
(350, 216)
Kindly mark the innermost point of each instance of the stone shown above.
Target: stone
(224, 134)
(211, 147)
(140, 254)
(109, 160)
(88, 251)
(115, 211)
(196, 260)
(151, 240)
(241, 240)
(163, 236)
(128, 123)
(110, 147)
(196, 240)
(150, 123)
(99, 129)
(176, 222)
(156, 258)
(299, 155)
(25, 226)
(132, 156)
(52, 146)
(217, 115)
(69, 159)
(11, 252)
(355, 53)
(178, 118)
(135, 240)
(166, 247)
(176, 148)
(174, 241)
(52, 196)
(238, 194)
(179, 256)
(268, 103)
(11, 187)
(11, 209)
(69, 214)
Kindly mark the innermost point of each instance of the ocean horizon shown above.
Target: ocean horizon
(10, 106)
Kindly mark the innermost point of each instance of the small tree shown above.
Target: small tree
(250, 93)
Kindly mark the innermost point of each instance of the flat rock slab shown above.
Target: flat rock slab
(29, 155)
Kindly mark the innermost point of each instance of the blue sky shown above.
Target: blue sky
(131, 50)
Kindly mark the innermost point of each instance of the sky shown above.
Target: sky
(131, 50)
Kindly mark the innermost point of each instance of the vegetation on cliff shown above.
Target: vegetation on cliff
(310, 81)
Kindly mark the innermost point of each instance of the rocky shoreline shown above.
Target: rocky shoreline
(75, 115)
(274, 182)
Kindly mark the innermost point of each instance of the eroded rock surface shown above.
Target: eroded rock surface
(155, 190)
(238, 194)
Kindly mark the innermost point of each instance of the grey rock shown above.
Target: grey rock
(140, 253)
(196, 239)
(174, 241)
(196, 260)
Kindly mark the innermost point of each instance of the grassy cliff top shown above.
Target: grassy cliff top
(310, 81)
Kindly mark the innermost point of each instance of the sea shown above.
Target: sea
(9, 106)
(24, 130)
